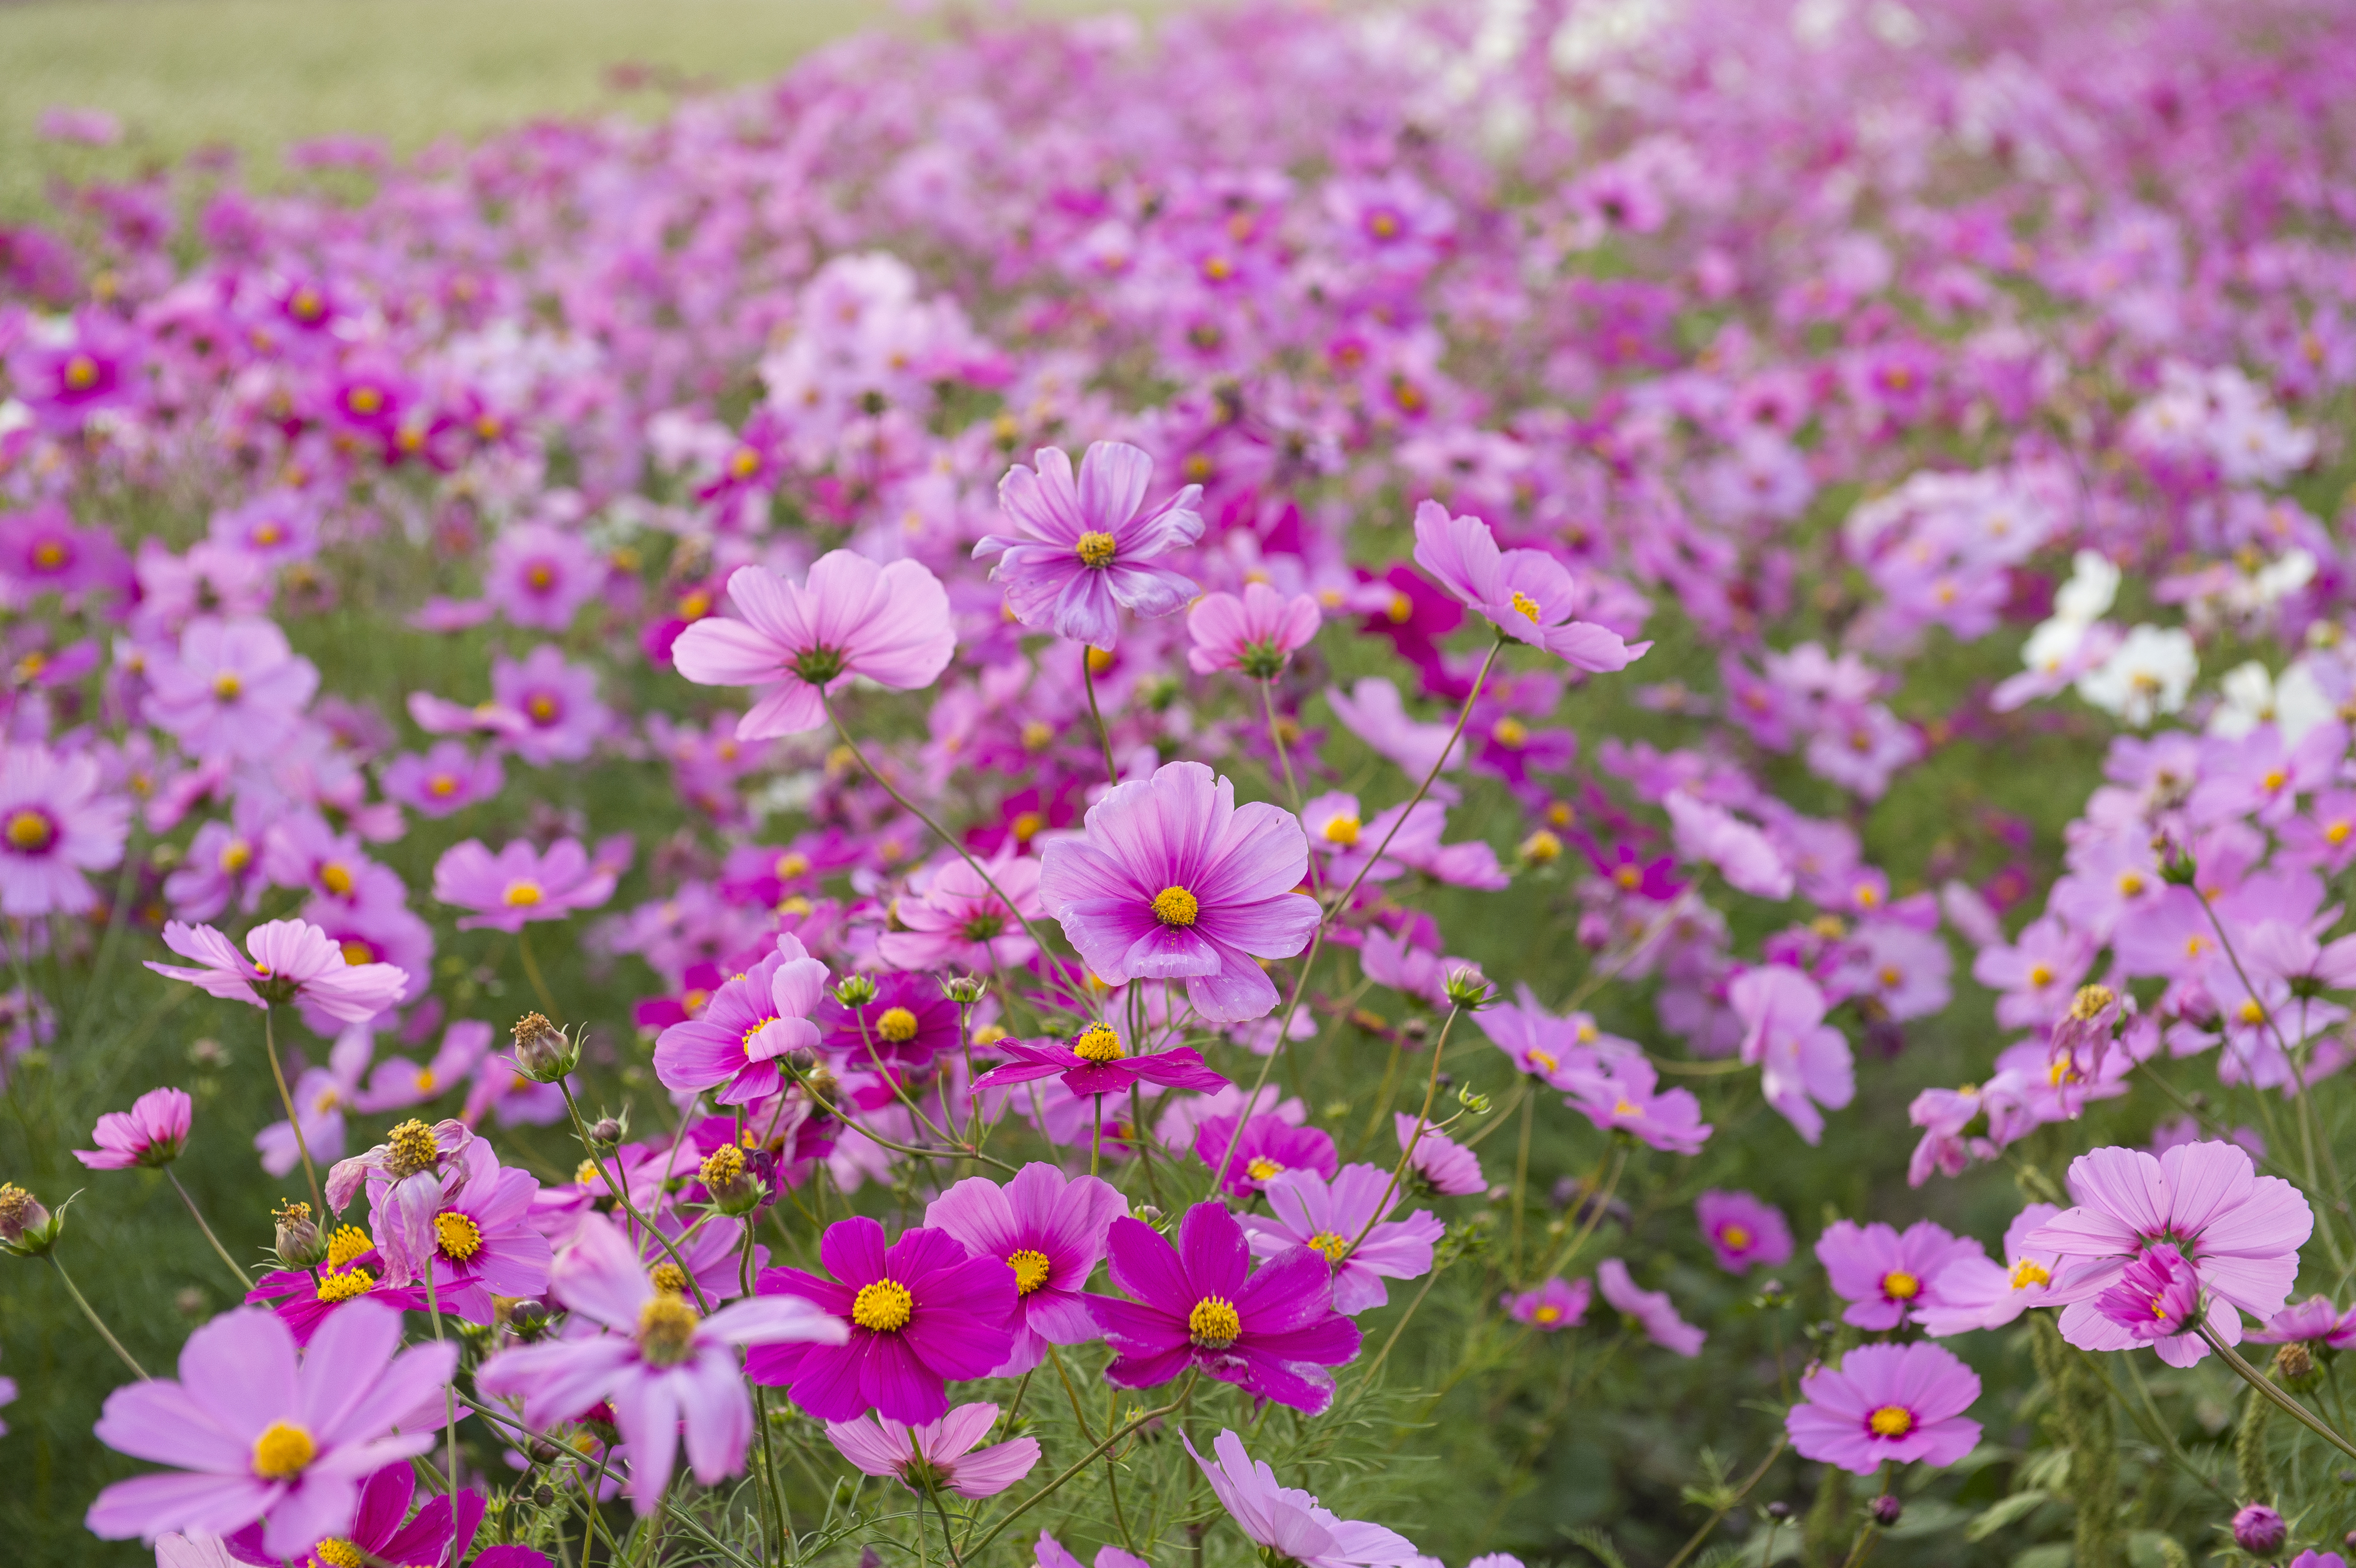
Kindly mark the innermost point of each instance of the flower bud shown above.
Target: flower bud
(965, 990)
(543, 1053)
(2259, 1530)
(1467, 987)
(1779, 1511)
(527, 1318)
(1478, 1104)
(299, 1241)
(2295, 1364)
(856, 991)
(607, 1129)
(27, 1229)
(1886, 1510)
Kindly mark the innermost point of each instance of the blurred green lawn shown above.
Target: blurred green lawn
(256, 74)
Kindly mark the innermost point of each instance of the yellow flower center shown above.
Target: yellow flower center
(48, 555)
(1527, 605)
(1735, 1236)
(81, 373)
(2338, 831)
(2030, 1272)
(1510, 732)
(2274, 780)
(897, 1025)
(1098, 1043)
(411, 1146)
(669, 1278)
(282, 1451)
(357, 951)
(1031, 1270)
(521, 895)
(1176, 907)
(1546, 1315)
(29, 831)
(442, 786)
(1037, 734)
(1542, 848)
(1891, 1421)
(364, 400)
(236, 856)
(1214, 1324)
(1900, 1285)
(792, 864)
(456, 1235)
(1261, 1169)
(337, 878)
(339, 1554)
(346, 1242)
(2159, 1309)
(1343, 830)
(2130, 882)
(344, 1284)
(1026, 825)
(542, 709)
(2040, 976)
(226, 686)
(722, 1166)
(2250, 1013)
(2090, 1001)
(1332, 1244)
(666, 1329)
(1097, 550)
(883, 1306)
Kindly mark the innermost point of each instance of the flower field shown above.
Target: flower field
(1549, 781)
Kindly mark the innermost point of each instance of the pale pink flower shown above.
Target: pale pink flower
(519, 884)
(1254, 635)
(152, 1132)
(944, 1449)
(293, 960)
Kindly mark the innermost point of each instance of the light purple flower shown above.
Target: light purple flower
(257, 1431)
(658, 1364)
(152, 1132)
(850, 617)
(1888, 1278)
(1082, 550)
(484, 1243)
(519, 884)
(1449, 1169)
(539, 576)
(1051, 1229)
(235, 689)
(2313, 1321)
(1254, 635)
(1287, 1521)
(734, 1044)
(1306, 1210)
(292, 960)
(2156, 1295)
(1652, 1309)
(1173, 881)
(1803, 1061)
(54, 826)
(1618, 1095)
(1526, 593)
(447, 779)
(1049, 1553)
(1742, 1231)
(958, 920)
(1976, 1292)
(1553, 1306)
(548, 710)
(1886, 1404)
(943, 1450)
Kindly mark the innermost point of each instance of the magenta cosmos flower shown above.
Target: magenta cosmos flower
(1051, 1230)
(152, 1132)
(796, 641)
(1083, 550)
(1553, 1307)
(1306, 1210)
(943, 1450)
(540, 576)
(1272, 1333)
(260, 1431)
(917, 1315)
(411, 1177)
(236, 690)
(1270, 1146)
(2158, 1296)
(292, 960)
(733, 1045)
(1096, 1061)
(1174, 881)
(1289, 1523)
(1526, 593)
(1887, 1403)
(1887, 1276)
(519, 884)
(659, 1365)
(484, 1243)
(54, 826)
(1254, 635)
(1441, 1164)
(1650, 1310)
(382, 1530)
(1742, 1231)
(2240, 1232)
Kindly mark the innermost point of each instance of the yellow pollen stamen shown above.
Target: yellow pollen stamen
(2251, 1013)
(29, 831)
(2130, 884)
(456, 1236)
(883, 1306)
(2030, 1272)
(1215, 1324)
(666, 1329)
(1527, 605)
(1097, 550)
(1098, 1043)
(81, 373)
(1628, 876)
(282, 1451)
(1510, 732)
(1176, 907)
(1900, 1285)
(1025, 826)
(2274, 780)
(1400, 611)
(339, 1554)
(722, 1166)
(521, 895)
(226, 686)
(236, 856)
(412, 1145)
(1031, 1270)
(2040, 976)
(1735, 1236)
(1891, 1421)
(345, 1243)
(897, 1025)
(1332, 1244)
(2090, 1002)
(1546, 1315)
(344, 1284)
(1261, 1169)
(669, 1278)
(1343, 830)
(337, 878)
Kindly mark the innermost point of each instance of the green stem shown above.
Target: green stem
(302, 1147)
(2294, 1409)
(1082, 1463)
(1103, 737)
(531, 970)
(1430, 1089)
(244, 1283)
(95, 1321)
(449, 1389)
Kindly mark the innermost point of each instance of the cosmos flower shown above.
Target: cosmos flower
(963, 920)
(1742, 1231)
(1552, 1307)
(1618, 1095)
(943, 1450)
(54, 826)
(1650, 1310)
(1051, 1230)
(1447, 1168)
(1888, 1278)
(152, 1132)
(292, 960)
(908, 1024)
(1527, 594)
(411, 1177)
(1803, 1061)
(236, 689)
(540, 576)
(1083, 550)
(1255, 636)
(1886, 1404)
(444, 781)
(1976, 1292)
(1288, 1523)
(850, 617)
(916, 1315)
(1270, 1145)
(1173, 881)
(1097, 1062)
(734, 1044)
(1306, 1210)
(484, 1243)
(257, 1431)
(664, 1369)
(382, 1528)
(2156, 1295)
(1271, 1331)
(1049, 1553)
(519, 884)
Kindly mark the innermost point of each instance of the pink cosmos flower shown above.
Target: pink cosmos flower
(1173, 880)
(916, 1314)
(1270, 1145)
(1555, 1305)
(539, 575)
(1803, 1061)
(236, 690)
(1271, 1331)
(260, 1431)
(1082, 550)
(381, 1529)
(1742, 1231)
(850, 617)
(1887, 1403)
(1051, 1229)
(1526, 593)
(484, 1243)
(54, 826)
(546, 709)
(1287, 1521)
(152, 1132)
(960, 921)
(2158, 1296)
(1652, 1309)
(1049, 1553)
(942, 1450)
(2314, 1321)
(42, 551)
(1447, 1168)
(1254, 635)
(1743, 854)
(2240, 1232)
(1888, 1278)
(658, 1366)
(1306, 1210)
(447, 779)
(1096, 1061)
(353, 1271)
(519, 884)
(734, 1044)
(411, 1177)
(292, 960)
(1617, 1095)
(1976, 1292)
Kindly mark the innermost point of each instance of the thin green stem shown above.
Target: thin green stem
(1103, 737)
(1730, 1504)
(1422, 1121)
(95, 1321)
(449, 1389)
(244, 1283)
(612, 1184)
(1082, 1463)
(2294, 1409)
(532, 971)
(302, 1147)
